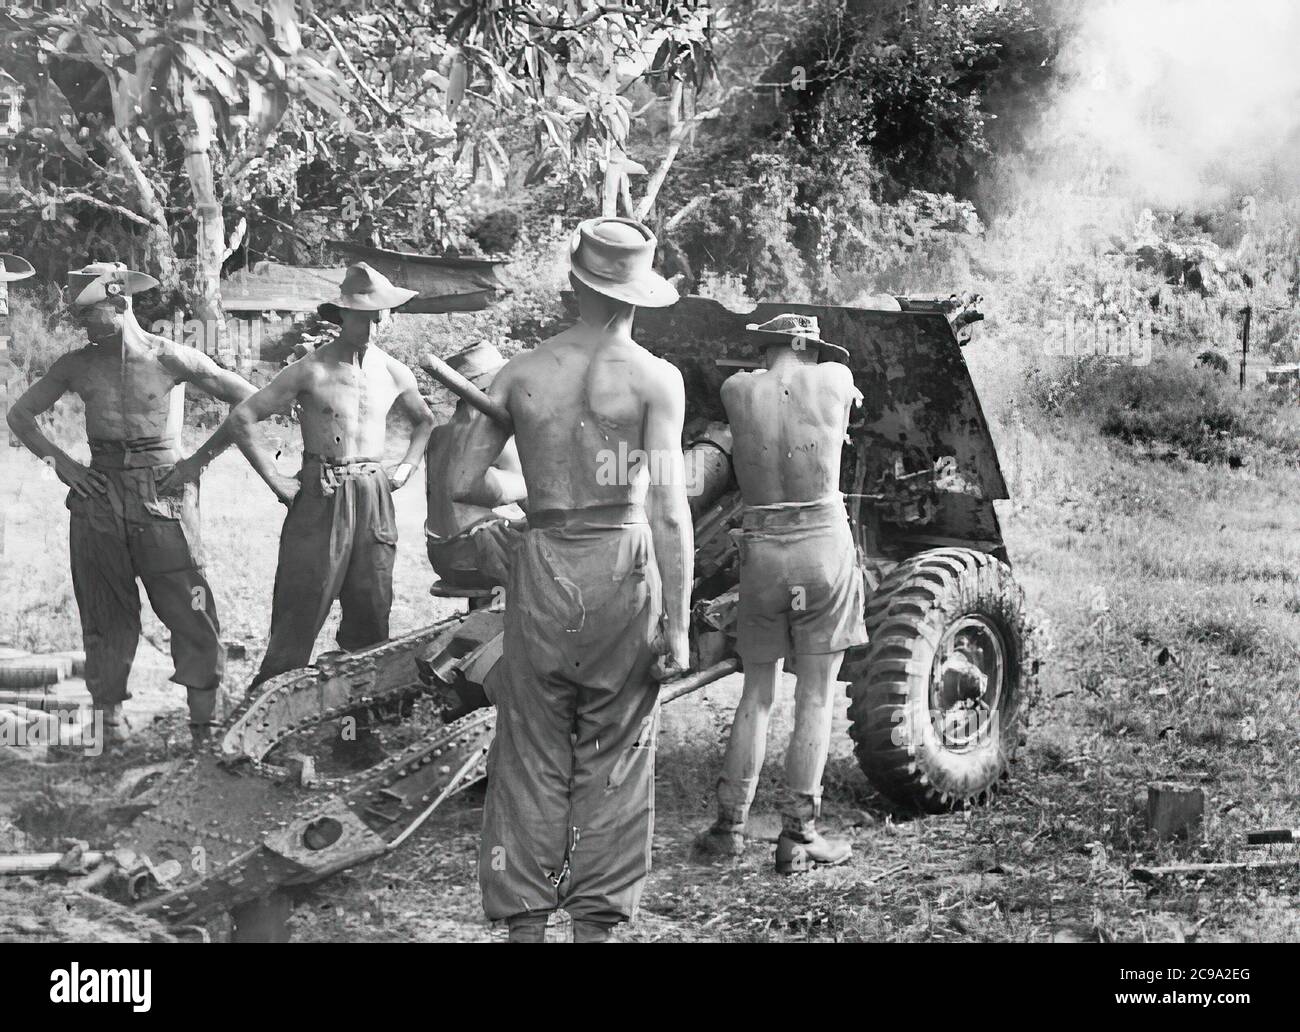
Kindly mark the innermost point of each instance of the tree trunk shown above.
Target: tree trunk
(161, 252)
(204, 288)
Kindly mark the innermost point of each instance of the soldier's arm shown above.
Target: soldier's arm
(38, 398)
(223, 384)
(276, 397)
(506, 478)
(841, 377)
(670, 514)
(190, 365)
(475, 447)
(410, 401)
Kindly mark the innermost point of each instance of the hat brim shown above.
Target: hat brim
(648, 290)
(376, 301)
(834, 352)
(825, 349)
(13, 267)
(97, 289)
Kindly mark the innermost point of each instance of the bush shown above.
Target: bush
(798, 227)
(1170, 404)
(39, 333)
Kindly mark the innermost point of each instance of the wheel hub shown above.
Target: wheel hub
(966, 682)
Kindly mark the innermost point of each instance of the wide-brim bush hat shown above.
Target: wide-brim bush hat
(615, 257)
(804, 328)
(14, 268)
(478, 363)
(99, 281)
(364, 290)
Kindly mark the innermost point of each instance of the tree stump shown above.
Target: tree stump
(1173, 809)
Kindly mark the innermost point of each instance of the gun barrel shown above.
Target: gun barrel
(462, 388)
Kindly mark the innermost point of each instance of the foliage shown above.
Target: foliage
(374, 124)
(916, 84)
(38, 332)
(1169, 404)
(795, 225)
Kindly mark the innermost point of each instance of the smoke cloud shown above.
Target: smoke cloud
(1182, 103)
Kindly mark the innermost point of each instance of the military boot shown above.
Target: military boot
(113, 723)
(727, 835)
(203, 714)
(800, 846)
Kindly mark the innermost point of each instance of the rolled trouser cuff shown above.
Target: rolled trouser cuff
(799, 809)
(203, 705)
(528, 927)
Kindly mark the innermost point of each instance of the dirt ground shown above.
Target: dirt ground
(1169, 596)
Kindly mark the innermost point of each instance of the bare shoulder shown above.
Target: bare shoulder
(740, 384)
(299, 375)
(517, 366)
(660, 378)
(834, 375)
(181, 360)
(401, 373)
(70, 364)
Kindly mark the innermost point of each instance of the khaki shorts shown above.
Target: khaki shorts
(801, 586)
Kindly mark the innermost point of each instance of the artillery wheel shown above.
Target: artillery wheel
(936, 700)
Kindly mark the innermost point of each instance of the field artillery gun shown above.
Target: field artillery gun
(936, 695)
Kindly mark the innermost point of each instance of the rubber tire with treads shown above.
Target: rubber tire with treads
(895, 741)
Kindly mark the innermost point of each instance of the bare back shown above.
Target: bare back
(788, 425)
(343, 403)
(579, 408)
(446, 516)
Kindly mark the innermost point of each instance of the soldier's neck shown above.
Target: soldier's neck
(353, 351)
(129, 336)
(108, 342)
(607, 322)
(786, 357)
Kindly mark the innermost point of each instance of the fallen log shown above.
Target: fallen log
(48, 863)
(1148, 874)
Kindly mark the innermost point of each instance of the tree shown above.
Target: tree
(466, 93)
(180, 77)
(376, 118)
(916, 83)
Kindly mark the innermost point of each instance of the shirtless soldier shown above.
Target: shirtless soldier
(801, 589)
(123, 526)
(453, 530)
(596, 605)
(340, 535)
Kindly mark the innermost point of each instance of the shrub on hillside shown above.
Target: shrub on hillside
(1171, 404)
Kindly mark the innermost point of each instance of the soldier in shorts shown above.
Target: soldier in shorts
(801, 588)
